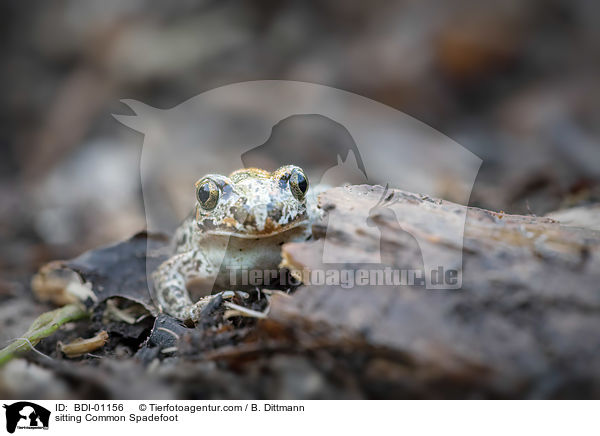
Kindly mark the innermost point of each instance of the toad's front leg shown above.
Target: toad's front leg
(170, 281)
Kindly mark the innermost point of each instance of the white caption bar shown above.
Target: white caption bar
(299, 417)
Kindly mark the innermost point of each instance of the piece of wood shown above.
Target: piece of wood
(527, 316)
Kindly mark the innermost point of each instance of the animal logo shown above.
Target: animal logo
(26, 415)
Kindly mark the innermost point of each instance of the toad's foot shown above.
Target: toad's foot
(197, 311)
(170, 292)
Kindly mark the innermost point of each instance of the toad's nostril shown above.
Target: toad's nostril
(274, 211)
(239, 213)
(250, 219)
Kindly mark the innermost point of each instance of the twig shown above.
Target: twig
(244, 311)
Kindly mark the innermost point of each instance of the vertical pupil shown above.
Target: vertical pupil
(204, 193)
(302, 183)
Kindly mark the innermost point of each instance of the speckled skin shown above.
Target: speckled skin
(255, 214)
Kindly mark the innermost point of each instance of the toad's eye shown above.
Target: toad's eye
(298, 184)
(207, 193)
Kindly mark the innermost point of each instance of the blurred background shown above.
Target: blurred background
(514, 82)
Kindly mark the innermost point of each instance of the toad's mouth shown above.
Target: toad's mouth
(270, 229)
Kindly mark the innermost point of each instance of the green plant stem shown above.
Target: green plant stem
(43, 326)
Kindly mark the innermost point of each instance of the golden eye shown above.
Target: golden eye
(298, 184)
(207, 193)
